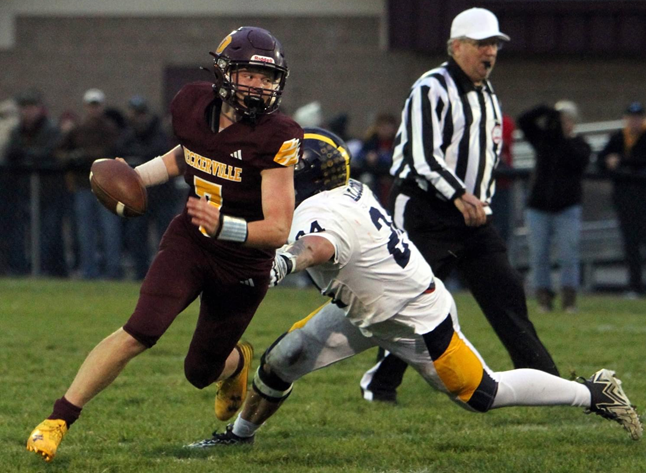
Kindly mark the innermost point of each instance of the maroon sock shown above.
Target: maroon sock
(240, 364)
(63, 409)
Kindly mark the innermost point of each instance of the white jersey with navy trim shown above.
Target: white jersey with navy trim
(376, 272)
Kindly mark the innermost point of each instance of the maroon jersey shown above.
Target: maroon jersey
(226, 166)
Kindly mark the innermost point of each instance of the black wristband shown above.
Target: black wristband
(289, 263)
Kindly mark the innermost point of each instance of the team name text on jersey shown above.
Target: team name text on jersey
(211, 166)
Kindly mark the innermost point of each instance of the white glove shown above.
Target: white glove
(284, 264)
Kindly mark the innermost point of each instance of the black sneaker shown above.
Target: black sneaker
(225, 438)
(610, 402)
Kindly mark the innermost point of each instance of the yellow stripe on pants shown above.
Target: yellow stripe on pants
(301, 323)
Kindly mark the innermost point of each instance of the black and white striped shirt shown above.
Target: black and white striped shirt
(450, 136)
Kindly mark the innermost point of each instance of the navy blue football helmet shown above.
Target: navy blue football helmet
(251, 48)
(325, 164)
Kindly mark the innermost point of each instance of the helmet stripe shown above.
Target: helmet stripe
(225, 42)
(342, 150)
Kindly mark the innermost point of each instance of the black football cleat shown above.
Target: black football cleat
(225, 438)
(610, 402)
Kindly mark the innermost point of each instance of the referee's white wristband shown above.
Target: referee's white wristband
(232, 229)
(153, 172)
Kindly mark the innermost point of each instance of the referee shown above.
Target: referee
(446, 150)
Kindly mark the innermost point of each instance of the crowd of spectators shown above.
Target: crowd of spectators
(78, 237)
(75, 234)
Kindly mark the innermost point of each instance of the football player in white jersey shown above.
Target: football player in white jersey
(384, 294)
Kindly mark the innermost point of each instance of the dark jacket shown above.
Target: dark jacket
(139, 146)
(630, 160)
(629, 178)
(560, 161)
(33, 146)
(93, 139)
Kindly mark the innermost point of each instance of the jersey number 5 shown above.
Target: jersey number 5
(212, 192)
(397, 247)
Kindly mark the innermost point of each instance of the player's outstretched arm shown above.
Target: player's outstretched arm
(162, 168)
(310, 250)
(174, 161)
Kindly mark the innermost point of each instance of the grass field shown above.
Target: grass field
(141, 422)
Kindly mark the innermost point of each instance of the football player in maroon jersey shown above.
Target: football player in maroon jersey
(237, 153)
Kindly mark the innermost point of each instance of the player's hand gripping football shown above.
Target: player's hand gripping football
(204, 215)
(284, 263)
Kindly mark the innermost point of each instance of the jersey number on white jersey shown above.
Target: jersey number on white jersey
(397, 247)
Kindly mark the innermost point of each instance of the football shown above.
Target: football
(118, 187)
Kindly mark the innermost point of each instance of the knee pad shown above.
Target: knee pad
(285, 353)
(282, 355)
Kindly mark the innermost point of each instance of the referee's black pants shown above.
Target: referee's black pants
(480, 255)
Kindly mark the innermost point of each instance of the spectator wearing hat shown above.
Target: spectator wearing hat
(553, 212)
(143, 140)
(624, 159)
(31, 149)
(94, 138)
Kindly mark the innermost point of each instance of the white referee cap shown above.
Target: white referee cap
(476, 23)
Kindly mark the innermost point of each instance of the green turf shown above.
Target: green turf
(140, 423)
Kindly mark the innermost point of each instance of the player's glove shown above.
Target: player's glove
(284, 264)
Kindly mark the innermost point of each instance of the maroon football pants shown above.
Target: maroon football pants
(182, 271)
